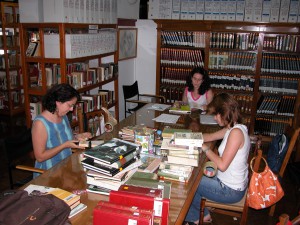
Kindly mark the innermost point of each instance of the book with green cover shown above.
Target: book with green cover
(183, 109)
(111, 151)
(150, 180)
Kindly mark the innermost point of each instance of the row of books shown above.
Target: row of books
(230, 81)
(232, 60)
(184, 38)
(248, 41)
(270, 125)
(74, 11)
(181, 57)
(13, 60)
(96, 101)
(281, 42)
(274, 84)
(229, 10)
(277, 105)
(71, 199)
(176, 76)
(280, 63)
(171, 93)
(245, 102)
(81, 45)
(17, 99)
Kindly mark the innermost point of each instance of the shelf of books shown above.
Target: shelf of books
(11, 81)
(258, 63)
(82, 55)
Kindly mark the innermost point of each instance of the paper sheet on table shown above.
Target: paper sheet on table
(159, 107)
(167, 118)
(207, 119)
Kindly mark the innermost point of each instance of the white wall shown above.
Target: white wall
(143, 67)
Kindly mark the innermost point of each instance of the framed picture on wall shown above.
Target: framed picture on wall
(127, 43)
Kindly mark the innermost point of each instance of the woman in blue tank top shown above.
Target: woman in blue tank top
(52, 135)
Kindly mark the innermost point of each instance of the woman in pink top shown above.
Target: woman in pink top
(198, 93)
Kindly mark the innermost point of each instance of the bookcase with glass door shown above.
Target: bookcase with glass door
(55, 53)
(258, 63)
(11, 80)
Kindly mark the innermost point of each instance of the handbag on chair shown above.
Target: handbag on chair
(264, 188)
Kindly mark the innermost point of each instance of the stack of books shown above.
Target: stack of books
(174, 172)
(179, 154)
(73, 200)
(109, 164)
(144, 194)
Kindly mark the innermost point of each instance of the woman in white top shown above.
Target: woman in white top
(198, 93)
(230, 183)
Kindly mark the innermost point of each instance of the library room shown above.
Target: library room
(154, 112)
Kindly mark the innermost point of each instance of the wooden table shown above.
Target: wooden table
(70, 175)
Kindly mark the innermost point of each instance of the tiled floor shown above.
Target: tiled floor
(290, 203)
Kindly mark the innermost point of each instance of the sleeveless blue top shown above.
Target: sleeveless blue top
(58, 133)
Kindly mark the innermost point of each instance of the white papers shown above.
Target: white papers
(167, 118)
(207, 119)
(159, 107)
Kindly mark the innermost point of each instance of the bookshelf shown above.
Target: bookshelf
(11, 82)
(258, 63)
(66, 53)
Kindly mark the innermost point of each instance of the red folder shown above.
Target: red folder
(103, 215)
(159, 205)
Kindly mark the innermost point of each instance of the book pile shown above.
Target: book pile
(69, 198)
(143, 191)
(128, 133)
(179, 154)
(180, 108)
(174, 172)
(110, 164)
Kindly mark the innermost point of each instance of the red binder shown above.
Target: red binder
(159, 205)
(103, 215)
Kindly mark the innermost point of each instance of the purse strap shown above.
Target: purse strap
(252, 160)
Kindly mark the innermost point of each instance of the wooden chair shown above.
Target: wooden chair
(17, 148)
(284, 219)
(132, 95)
(293, 134)
(92, 121)
(239, 209)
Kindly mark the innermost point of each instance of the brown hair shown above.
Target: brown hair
(229, 109)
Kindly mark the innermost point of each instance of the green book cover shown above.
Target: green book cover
(151, 183)
(111, 151)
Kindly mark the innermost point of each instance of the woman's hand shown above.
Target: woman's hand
(73, 144)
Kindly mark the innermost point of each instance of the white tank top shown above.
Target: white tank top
(236, 175)
(195, 102)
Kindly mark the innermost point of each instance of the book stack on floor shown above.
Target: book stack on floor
(69, 198)
(110, 164)
(174, 172)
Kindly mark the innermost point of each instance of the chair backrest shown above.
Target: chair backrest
(130, 91)
(92, 121)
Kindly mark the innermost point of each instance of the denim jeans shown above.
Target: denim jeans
(212, 189)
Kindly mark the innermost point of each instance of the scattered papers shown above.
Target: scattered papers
(159, 107)
(207, 119)
(167, 118)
